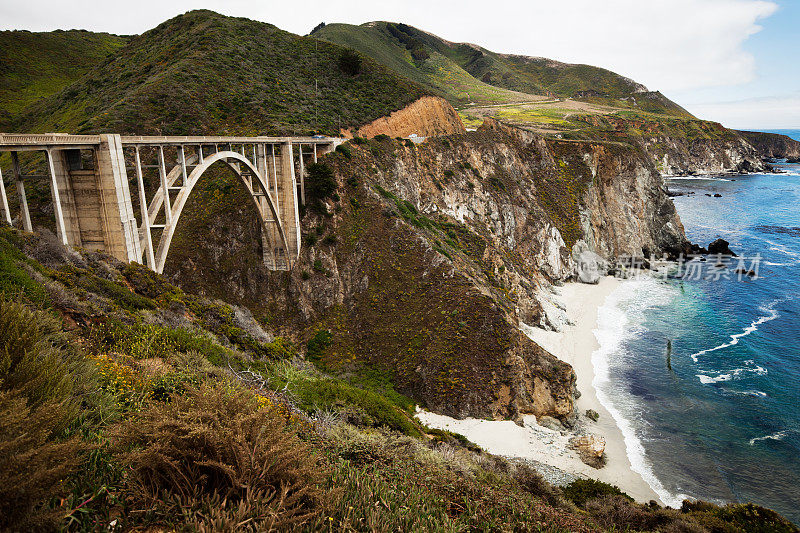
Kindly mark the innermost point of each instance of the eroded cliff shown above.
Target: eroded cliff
(422, 265)
(773, 145)
(427, 116)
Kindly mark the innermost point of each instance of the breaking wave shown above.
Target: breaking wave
(775, 436)
(772, 314)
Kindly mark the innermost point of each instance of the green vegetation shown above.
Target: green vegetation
(167, 402)
(204, 73)
(581, 491)
(37, 65)
(320, 184)
(399, 47)
(465, 73)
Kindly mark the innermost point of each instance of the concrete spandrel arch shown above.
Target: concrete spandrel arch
(180, 201)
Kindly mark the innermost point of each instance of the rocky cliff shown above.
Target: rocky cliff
(427, 116)
(422, 265)
(679, 146)
(773, 145)
(680, 156)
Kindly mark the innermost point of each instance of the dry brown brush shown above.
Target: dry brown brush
(215, 459)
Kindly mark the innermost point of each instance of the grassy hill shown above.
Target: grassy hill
(461, 71)
(202, 73)
(36, 65)
(430, 66)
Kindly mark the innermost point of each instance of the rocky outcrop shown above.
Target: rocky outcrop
(681, 155)
(720, 247)
(773, 145)
(590, 448)
(430, 256)
(428, 116)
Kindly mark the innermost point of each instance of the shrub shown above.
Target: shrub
(318, 344)
(350, 62)
(216, 448)
(344, 150)
(14, 280)
(320, 184)
(533, 482)
(737, 517)
(36, 359)
(32, 465)
(582, 490)
(362, 407)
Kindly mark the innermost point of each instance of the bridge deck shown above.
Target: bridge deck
(26, 142)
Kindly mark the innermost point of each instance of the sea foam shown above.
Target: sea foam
(771, 314)
(775, 436)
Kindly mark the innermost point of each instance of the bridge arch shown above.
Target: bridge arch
(256, 185)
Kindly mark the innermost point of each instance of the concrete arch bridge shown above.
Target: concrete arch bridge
(93, 198)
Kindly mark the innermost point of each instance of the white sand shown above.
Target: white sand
(575, 345)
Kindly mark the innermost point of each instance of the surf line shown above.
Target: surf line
(773, 314)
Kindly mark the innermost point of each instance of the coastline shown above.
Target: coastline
(575, 344)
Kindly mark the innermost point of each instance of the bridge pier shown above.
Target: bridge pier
(93, 205)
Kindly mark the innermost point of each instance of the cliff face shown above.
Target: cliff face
(679, 156)
(428, 258)
(428, 116)
(680, 146)
(772, 144)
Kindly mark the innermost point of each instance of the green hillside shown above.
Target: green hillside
(430, 60)
(203, 73)
(430, 66)
(37, 65)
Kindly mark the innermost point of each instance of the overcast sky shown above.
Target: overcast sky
(734, 61)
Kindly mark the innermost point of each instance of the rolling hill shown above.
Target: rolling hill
(462, 71)
(202, 72)
(36, 65)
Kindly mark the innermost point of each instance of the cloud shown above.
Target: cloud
(668, 45)
(772, 112)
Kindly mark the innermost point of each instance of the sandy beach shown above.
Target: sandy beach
(575, 344)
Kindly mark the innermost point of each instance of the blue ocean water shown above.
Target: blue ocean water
(720, 420)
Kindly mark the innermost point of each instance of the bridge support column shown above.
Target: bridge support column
(24, 212)
(61, 193)
(287, 202)
(93, 206)
(120, 232)
(4, 200)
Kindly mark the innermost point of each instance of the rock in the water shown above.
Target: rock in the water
(720, 246)
(550, 423)
(590, 448)
(743, 271)
(592, 415)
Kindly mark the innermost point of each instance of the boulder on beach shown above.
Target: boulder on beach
(590, 448)
(720, 246)
(550, 423)
(589, 267)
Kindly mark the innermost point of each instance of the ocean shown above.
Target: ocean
(702, 371)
